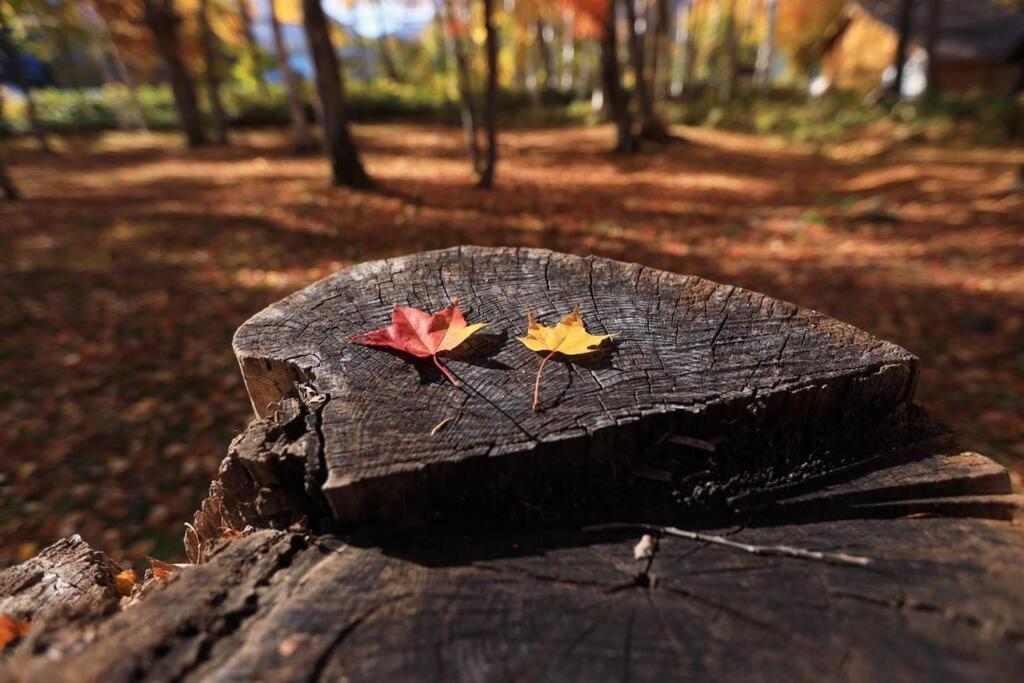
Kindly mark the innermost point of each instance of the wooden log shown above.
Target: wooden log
(68, 574)
(961, 477)
(709, 362)
(940, 601)
(806, 440)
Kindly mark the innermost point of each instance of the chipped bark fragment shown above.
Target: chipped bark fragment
(270, 478)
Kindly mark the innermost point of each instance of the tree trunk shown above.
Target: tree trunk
(122, 114)
(547, 56)
(903, 25)
(13, 55)
(115, 71)
(931, 42)
(692, 42)
(681, 45)
(384, 46)
(585, 59)
(727, 82)
(303, 138)
(346, 167)
(531, 70)
(164, 22)
(463, 81)
(364, 68)
(251, 47)
(657, 28)
(615, 103)
(490, 97)
(650, 127)
(211, 56)
(568, 49)
(66, 57)
(766, 49)
(440, 37)
(6, 183)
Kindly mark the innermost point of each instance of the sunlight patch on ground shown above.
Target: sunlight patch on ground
(131, 262)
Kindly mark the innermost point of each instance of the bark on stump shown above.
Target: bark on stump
(764, 423)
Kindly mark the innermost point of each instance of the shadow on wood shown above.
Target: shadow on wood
(343, 539)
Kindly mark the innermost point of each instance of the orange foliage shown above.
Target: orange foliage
(802, 26)
(591, 16)
(12, 630)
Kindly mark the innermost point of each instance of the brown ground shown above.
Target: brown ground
(131, 262)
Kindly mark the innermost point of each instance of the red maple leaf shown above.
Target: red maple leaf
(421, 334)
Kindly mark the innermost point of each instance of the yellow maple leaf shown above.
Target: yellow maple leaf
(569, 338)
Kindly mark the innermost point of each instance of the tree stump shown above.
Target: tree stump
(789, 437)
(707, 364)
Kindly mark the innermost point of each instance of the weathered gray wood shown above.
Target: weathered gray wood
(68, 574)
(692, 357)
(795, 427)
(959, 478)
(265, 480)
(940, 602)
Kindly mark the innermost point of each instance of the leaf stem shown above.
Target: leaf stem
(536, 385)
(444, 371)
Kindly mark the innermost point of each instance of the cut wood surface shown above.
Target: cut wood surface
(691, 357)
(940, 601)
(843, 535)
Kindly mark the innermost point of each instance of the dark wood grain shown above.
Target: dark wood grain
(941, 601)
(691, 357)
(68, 574)
(957, 477)
(800, 427)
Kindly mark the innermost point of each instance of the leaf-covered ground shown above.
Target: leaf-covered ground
(131, 262)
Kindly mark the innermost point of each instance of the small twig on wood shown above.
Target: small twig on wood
(776, 550)
(441, 424)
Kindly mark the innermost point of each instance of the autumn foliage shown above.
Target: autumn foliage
(423, 335)
(568, 338)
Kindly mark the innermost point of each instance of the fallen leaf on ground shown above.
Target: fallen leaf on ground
(125, 581)
(161, 570)
(421, 334)
(569, 338)
(12, 629)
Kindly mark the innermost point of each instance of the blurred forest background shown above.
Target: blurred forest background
(172, 166)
